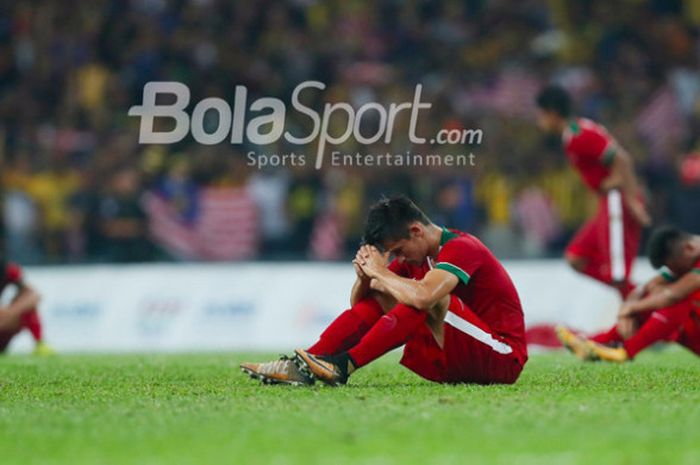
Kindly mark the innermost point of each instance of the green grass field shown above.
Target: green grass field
(199, 409)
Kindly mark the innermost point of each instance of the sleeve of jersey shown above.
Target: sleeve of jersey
(13, 273)
(594, 146)
(457, 258)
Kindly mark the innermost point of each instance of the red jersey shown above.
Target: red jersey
(590, 149)
(9, 274)
(695, 296)
(484, 285)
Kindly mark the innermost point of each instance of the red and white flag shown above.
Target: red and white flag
(225, 227)
(660, 122)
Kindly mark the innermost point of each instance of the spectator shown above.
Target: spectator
(121, 223)
(69, 75)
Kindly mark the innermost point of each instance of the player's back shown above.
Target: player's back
(484, 284)
(590, 149)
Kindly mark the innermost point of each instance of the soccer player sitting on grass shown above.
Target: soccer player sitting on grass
(667, 308)
(444, 295)
(21, 313)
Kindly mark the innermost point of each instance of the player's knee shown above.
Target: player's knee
(387, 302)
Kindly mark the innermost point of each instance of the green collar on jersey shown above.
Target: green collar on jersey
(573, 125)
(446, 236)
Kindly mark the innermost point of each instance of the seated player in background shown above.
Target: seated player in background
(444, 295)
(667, 308)
(21, 312)
(606, 246)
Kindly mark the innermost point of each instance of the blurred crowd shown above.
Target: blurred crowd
(78, 187)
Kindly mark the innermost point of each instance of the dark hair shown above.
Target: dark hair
(556, 99)
(664, 244)
(388, 220)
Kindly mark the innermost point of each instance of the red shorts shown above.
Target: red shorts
(689, 334)
(472, 353)
(610, 239)
(685, 315)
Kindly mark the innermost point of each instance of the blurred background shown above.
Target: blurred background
(78, 188)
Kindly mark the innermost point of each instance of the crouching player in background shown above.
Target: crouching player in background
(606, 246)
(666, 309)
(444, 295)
(21, 312)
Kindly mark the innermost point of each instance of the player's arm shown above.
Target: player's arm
(423, 294)
(622, 176)
(626, 322)
(666, 295)
(25, 300)
(649, 287)
(361, 288)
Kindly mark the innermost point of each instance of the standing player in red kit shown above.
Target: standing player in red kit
(21, 312)
(444, 295)
(665, 309)
(605, 247)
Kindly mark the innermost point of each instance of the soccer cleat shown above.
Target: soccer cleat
(326, 369)
(608, 354)
(42, 349)
(574, 343)
(282, 371)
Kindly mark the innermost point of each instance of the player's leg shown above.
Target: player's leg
(689, 336)
(611, 336)
(31, 321)
(391, 331)
(474, 353)
(605, 247)
(24, 315)
(344, 332)
(583, 252)
(6, 338)
(349, 327)
(574, 343)
(10, 326)
(660, 325)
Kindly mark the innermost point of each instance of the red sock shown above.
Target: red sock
(392, 330)
(660, 325)
(347, 330)
(31, 321)
(606, 337)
